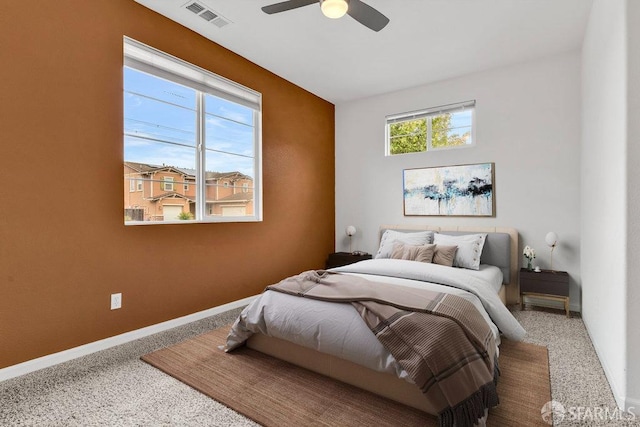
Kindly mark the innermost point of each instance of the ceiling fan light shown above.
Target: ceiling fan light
(334, 9)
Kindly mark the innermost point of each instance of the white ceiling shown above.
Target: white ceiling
(426, 40)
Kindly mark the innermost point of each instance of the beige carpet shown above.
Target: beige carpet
(276, 393)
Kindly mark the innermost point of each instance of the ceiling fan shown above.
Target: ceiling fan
(361, 12)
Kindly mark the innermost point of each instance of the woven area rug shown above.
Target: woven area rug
(276, 393)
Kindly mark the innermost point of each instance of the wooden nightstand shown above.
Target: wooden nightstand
(549, 284)
(338, 259)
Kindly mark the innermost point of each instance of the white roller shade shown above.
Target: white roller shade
(147, 59)
(434, 111)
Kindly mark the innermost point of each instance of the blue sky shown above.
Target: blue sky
(160, 126)
(460, 122)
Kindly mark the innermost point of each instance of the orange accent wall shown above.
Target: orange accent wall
(63, 245)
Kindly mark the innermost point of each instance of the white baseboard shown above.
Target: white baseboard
(83, 350)
(618, 397)
(632, 406)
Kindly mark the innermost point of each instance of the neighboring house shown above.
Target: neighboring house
(163, 193)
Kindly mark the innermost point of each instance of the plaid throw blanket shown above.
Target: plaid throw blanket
(441, 340)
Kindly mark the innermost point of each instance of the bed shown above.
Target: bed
(331, 337)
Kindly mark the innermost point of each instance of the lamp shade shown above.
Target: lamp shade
(350, 230)
(551, 238)
(334, 8)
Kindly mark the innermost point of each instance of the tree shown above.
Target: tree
(408, 137)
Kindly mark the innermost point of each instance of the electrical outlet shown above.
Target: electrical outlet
(116, 301)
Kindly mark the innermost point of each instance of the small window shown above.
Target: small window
(139, 184)
(167, 183)
(132, 185)
(185, 186)
(444, 127)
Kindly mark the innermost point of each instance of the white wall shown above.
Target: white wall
(528, 123)
(633, 204)
(604, 188)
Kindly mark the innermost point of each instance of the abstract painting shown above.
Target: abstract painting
(464, 190)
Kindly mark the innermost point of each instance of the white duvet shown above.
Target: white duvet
(337, 328)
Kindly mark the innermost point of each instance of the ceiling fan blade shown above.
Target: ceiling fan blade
(287, 5)
(366, 15)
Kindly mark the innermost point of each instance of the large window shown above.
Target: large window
(184, 125)
(444, 127)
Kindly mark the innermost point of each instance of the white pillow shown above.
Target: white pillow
(391, 236)
(469, 248)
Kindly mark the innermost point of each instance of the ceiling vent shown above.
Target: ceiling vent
(195, 7)
(206, 13)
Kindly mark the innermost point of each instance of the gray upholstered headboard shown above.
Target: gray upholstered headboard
(500, 249)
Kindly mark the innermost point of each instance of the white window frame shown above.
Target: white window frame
(139, 184)
(132, 185)
(152, 61)
(431, 112)
(167, 183)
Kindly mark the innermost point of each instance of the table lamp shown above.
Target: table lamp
(552, 239)
(351, 231)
